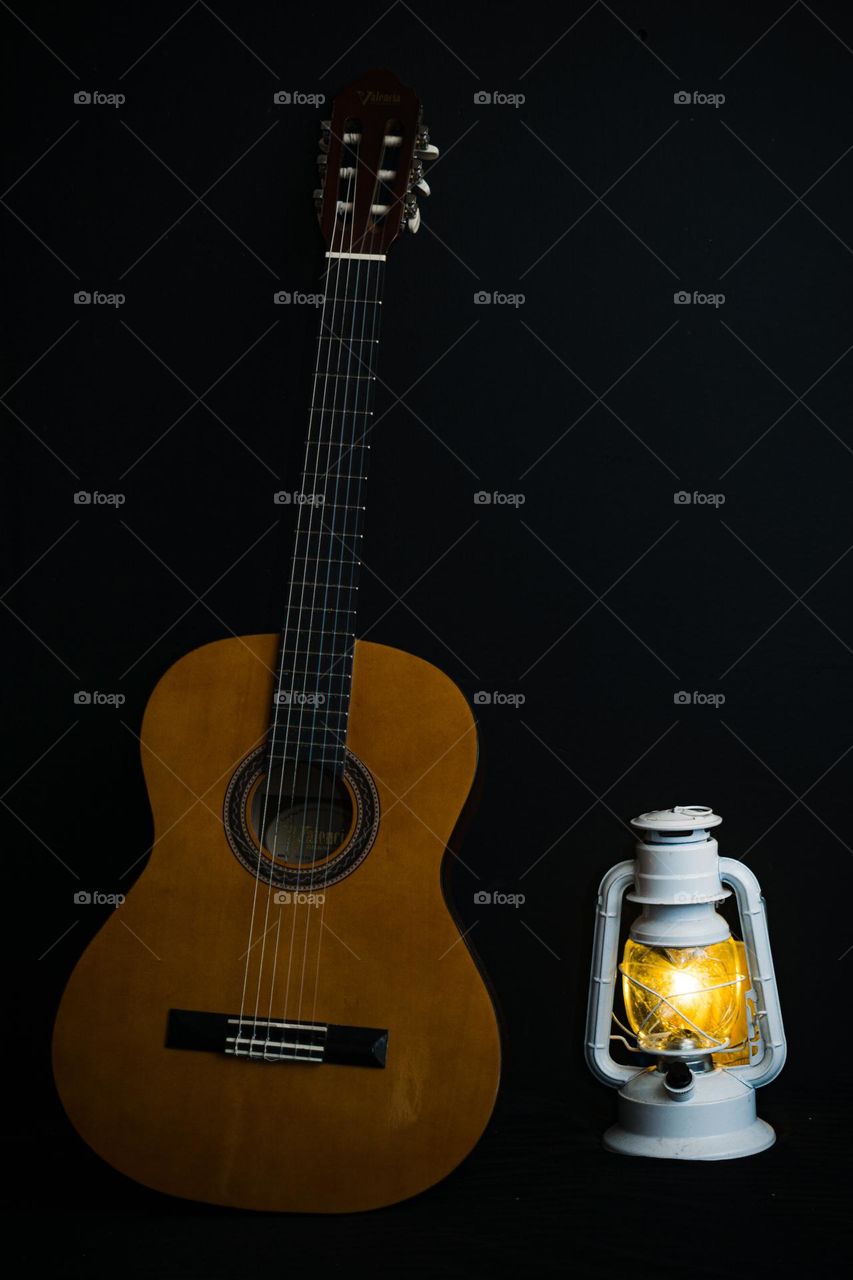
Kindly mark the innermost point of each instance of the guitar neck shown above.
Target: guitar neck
(312, 688)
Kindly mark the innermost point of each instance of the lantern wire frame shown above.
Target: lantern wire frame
(717, 1047)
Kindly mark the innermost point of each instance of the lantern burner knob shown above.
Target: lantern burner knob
(678, 1080)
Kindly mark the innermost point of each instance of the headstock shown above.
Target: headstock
(372, 157)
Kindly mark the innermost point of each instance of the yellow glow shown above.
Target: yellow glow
(684, 997)
(739, 1032)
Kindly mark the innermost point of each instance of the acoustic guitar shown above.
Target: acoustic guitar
(282, 1015)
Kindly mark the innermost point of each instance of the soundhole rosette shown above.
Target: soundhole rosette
(300, 865)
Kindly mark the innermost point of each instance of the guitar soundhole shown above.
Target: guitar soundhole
(305, 814)
(317, 827)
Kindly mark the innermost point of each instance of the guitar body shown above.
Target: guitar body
(278, 1135)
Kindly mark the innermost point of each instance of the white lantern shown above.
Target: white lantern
(700, 1010)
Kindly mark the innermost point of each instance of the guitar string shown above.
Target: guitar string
(352, 196)
(375, 302)
(273, 732)
(348, 408)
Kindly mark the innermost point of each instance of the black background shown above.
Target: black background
(598, 599)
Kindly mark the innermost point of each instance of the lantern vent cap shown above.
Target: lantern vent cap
(681, 817)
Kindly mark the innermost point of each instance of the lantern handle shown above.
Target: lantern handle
(603, 977)
(753, 918)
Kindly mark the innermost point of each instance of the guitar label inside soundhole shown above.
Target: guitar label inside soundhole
(317, 827)
(305, 813)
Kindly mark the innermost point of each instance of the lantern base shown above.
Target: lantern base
(716, 1121)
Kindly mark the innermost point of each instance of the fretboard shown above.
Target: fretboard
(312, 689)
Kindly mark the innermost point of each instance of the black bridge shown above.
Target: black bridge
(267, 1040)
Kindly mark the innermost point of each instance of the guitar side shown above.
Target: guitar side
(283, 1136)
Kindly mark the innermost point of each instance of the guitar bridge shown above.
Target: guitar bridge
(270, 1040)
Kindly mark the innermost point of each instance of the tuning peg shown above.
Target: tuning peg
(417, 180)
(411, 214)
(424, 148)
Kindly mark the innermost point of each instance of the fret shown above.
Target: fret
(282, 724)
(284, 700)
(349, 555)
(322, 533)
(324, 584)
(322, 611)
(313, 616)
(326, 653)
(319, 678)
(323, 631)
(316, 676)
(314, 711)
(316, 753)
(326, 560)
(316, 443)
(298, 635)
(322, 409)
(335, 337)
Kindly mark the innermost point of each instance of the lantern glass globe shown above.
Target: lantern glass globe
(684, 999)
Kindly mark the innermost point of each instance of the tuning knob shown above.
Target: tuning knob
(411, 214)
(424, 148)
(423, 186)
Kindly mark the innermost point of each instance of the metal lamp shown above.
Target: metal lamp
(700, 1010)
